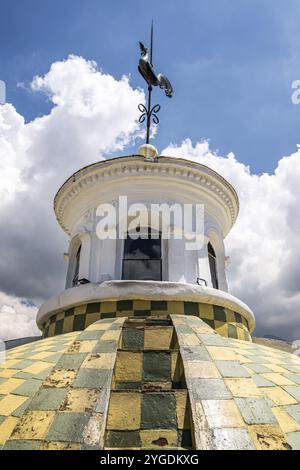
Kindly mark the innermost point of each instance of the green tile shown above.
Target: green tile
(126, 305)
(219, 313)
(29, 388)
(258, 368)
(105, 346)
(232, 439)
(93, 308)
(231, 369)
(24, 363)
(232, 331)
(213, 340)
(71, 361)
(2, 418)
(191, 308)
(53, 319)
(159, 305)
(92, 378)
(128, 385)
(294, 377)
(255, 411)
(195, 353)
(22, 445)
(294, 440)
(21, 410)
(44, 374)
(79, 322)
(48, 399)
(157, 366)
(133, 338)
(59, 327)
(94, 334)
(262, 382)
(70, 312)
(142, 313)
(54, 357)
(158, 411)
(122, 439)
(108, 315)
(184, 329)
(293, 390)
(210, 323)
(208, 389)
(68, 427)
(238, 318)
(293, 411)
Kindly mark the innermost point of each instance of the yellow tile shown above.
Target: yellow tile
(158, 338)
(82, 346)
(286, 422)
(51, 330)
(188, 340)
(201, 369)
(41, 355)
(33, 425)
(100, 361)
(111, 335)
(182, 409)
(124, 411)
(206, 311)
(242, 387)
(277, 379)
(267, 437)
(220, 353)
(157, 439)
(80, 309)
(222, 414)
(243, 359)
(175, 308)
(204, 329)
(60, 446)
(141, 305)
(230, 316)
(108, 307)
(91, 318)
(221, 328)
(240, 333)
(10, 403)
(80, 400)
(176, 366)
(278, 396)
(10, 385)
(60, 316)
(276, 368)
(6, 428)
(60, 378)
(129, 366)
(37, 367)
(68, 324)
(9, 363)
(7, 373)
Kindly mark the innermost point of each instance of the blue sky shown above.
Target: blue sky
(231, 63)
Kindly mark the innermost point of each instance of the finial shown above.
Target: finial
(152, 79)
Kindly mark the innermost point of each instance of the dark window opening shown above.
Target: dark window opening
(76, 269)
(142, 258)
(213, 266)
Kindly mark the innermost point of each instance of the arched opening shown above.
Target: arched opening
(142, 257)
(213, 266)
(76, 267)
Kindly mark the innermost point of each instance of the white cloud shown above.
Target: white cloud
(92, 115)
(264, 245)
(17, 318)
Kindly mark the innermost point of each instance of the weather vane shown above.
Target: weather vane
(147, 72)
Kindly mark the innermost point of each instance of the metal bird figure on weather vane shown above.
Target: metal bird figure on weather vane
(146, 70)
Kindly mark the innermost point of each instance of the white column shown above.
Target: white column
(203, 263)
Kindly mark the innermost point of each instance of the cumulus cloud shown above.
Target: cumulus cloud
(92, 115)
(17, 318)
(264, 244)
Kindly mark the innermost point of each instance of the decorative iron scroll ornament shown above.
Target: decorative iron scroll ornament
(145, 67)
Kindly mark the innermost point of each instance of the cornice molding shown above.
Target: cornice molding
(118, 168)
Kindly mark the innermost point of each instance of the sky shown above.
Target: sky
(73, 88)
